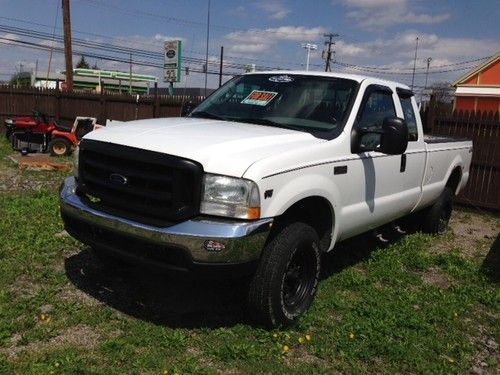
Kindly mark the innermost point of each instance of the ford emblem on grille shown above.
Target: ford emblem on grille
(118, 179)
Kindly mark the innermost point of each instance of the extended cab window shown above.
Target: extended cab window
(376, 106)
(409, 113)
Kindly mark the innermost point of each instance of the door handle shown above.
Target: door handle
(402, 166)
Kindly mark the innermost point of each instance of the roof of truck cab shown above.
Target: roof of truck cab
(355, 77)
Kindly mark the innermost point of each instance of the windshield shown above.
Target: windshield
(300, 102)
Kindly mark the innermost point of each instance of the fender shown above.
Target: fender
(290, 188)
(456, 163)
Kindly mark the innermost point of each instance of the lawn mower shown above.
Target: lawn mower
(38, 133)
(62, 142)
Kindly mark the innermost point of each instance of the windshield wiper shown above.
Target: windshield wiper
(265, 121)
(205, 114)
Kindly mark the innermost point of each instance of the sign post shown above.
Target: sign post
(172, 65)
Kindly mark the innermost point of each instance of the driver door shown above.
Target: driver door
(381, 189)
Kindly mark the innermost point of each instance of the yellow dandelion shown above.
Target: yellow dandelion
(165, 372)
(57, 364)
(351, 336)
(308, 337)
(42, 317)
(302, 340)
(275, 335)
(285, 349)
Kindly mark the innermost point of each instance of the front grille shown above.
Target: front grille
(145, 186)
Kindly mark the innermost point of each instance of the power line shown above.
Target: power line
(124, 60)
(398, 72)
(214, 55)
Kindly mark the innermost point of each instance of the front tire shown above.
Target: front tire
(59, 147)
(286, 279)
(437, 217)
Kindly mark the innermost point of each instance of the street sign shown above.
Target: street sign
(172, 65)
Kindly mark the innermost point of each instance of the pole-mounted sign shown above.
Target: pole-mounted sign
(172, 66)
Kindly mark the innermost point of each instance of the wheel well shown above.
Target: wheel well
(454, 179)
(314, 211)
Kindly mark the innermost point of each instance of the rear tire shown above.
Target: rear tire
(286, 279)
(436, 217)
(59, 147)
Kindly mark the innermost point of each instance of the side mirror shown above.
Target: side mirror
(394, 137)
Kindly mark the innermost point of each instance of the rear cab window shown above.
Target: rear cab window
(405, 98)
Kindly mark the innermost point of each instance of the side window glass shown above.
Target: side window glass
(410, 119)
(377, 107)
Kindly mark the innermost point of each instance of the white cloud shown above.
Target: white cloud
(8, 38)
(276, 9)
(256, 41)
(380, 14)
(396, 54)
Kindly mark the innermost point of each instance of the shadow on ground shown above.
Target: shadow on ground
(156, 298)
(491, 264)
(153, 297)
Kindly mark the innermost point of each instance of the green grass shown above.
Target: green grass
(401, 309)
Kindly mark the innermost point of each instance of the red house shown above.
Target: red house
(479, 89)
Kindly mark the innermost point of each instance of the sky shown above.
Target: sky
(375, 37)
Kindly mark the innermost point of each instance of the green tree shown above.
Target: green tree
(83, 64)
(22, 79)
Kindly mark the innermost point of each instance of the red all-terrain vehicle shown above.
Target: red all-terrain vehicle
(39, 133)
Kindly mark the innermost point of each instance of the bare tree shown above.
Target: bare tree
(442, 91)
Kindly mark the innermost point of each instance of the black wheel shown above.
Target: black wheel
(8, 134)
(286, 279)
(59, 147)
(436, 217)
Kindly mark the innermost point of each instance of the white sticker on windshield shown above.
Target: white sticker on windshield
(258, 97)
(283, 78)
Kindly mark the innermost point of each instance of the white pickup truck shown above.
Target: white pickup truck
(264, 176)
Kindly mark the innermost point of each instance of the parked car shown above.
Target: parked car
(267, 174)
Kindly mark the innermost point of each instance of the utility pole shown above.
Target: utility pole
(221, 61)
(68, 55)
(429, 59)
(130, 76)
(329, 43)
(208, 38)
(414, 64)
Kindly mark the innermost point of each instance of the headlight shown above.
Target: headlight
(76, 157)
(230, 197)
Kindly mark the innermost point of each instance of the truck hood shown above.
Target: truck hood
(222, 147)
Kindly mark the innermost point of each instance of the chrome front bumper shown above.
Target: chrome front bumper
(204, 240)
